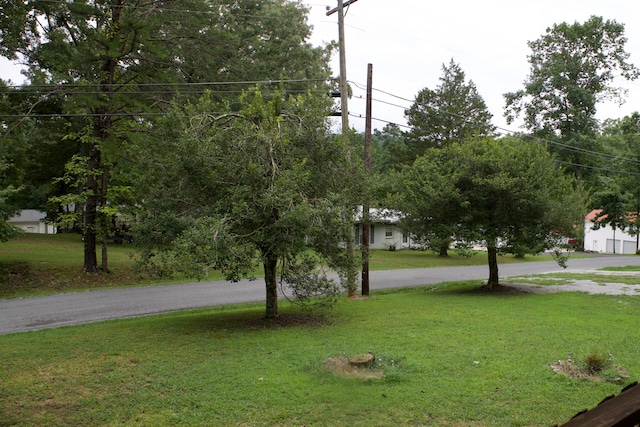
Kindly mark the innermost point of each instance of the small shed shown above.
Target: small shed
(32, 221)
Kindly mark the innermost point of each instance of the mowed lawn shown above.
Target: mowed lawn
(451, 356)
(45, 264)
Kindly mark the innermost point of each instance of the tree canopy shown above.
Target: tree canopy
(572, 68)
(507, 194)
(452, 112)
(617, 195)
(118, 64)
(226, 189)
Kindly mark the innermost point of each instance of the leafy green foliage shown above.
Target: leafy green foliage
(618, 195)
(7, 231)
(506, 194)
(572, 68)
(258, 184)
(452, 112)
(107, 69)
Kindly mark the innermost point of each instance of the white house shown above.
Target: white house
(385, 232)
(607, 239)
(32, 221)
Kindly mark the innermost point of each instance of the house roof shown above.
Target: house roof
(594, 216)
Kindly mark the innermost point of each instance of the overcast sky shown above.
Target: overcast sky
(407, 41)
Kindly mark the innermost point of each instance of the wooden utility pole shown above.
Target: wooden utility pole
(366, 222)
(344, 96)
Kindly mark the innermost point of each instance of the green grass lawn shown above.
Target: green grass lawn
(451, 355)
(42, 264)
(37, 264)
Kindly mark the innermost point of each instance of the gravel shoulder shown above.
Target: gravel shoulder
(587, 286)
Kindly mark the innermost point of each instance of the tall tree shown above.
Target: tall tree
(388, 147)
(572, 68)
(259, 183)
(117, 62)
(452, 112)
(506, 194)
(617, 195)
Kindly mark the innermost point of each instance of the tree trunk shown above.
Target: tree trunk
(271, 282)
(91, 212)
(97, 191)
(492, 255)
(352, 273)
(444, 250)
(106, 224)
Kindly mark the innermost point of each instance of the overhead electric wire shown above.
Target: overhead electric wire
(157, 92)
(179, 84)
(58, 91)
(217, 13)
(508, 131)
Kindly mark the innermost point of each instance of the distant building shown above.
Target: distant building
(606, 239)
(32, 221)
(385, 232)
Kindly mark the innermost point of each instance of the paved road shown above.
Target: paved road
(29, 314)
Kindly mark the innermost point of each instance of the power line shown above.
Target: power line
(217, 13)
(178, 84)
(508, 131)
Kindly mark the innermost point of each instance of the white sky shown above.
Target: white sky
(407, 41)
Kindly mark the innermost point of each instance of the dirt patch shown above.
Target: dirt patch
(587, 286)
(569, 368)
(341, 365)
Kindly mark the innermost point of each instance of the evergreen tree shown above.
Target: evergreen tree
(452, 112)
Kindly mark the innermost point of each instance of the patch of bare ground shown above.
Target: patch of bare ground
(570, 369)
(357, 366)
(612, 287)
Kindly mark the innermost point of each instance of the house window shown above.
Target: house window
(371, 235)
(388, 232)
(357, 235)
(405, 238)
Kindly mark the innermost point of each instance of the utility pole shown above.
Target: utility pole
(366, 222)
(352, 273)
(344, 95)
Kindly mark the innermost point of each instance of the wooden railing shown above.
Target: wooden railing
(622, 410)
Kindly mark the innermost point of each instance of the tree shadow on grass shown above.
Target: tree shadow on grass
(206, 321)
(476, 289)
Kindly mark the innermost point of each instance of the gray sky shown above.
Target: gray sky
(407, 41)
